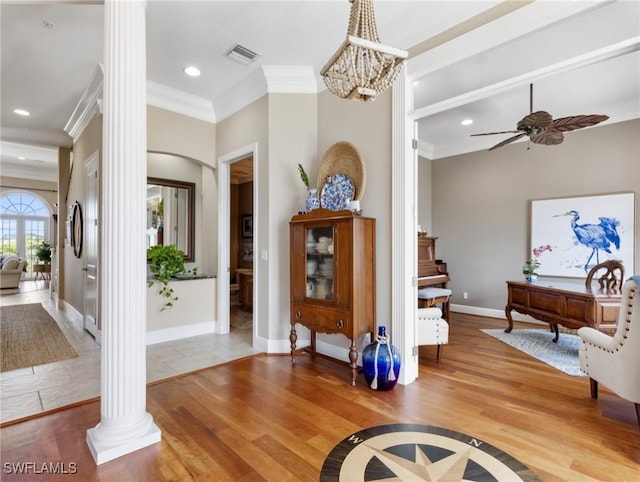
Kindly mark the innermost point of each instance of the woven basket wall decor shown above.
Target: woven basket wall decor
(343, 158)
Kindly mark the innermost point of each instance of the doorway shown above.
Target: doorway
(244, 226)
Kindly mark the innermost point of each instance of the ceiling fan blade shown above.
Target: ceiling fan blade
(535, 119)
(508, 141)
(571, 123)
(547, 138)
(492, 133)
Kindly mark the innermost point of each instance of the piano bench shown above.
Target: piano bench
(428, 297)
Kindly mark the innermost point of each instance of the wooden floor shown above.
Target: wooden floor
(263, 419)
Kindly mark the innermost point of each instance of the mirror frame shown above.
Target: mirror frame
(189, 254)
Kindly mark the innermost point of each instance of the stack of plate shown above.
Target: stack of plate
(326, 268)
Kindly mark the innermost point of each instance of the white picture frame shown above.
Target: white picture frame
(582, 231)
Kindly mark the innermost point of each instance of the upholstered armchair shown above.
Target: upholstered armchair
(432, 328)
(614, 360)
(10, 273)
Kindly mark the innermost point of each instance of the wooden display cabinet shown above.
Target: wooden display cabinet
(333, 277)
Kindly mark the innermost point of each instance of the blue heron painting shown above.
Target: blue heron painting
(598, 237)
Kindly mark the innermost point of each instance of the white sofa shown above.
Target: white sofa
(11, 269)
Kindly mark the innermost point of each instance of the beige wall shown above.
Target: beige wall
(481, 202)
(293, 138)
(247, 126)
(368, 127)
(73, 279)
(174, 133)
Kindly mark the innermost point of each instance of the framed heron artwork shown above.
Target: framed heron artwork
(579, 232)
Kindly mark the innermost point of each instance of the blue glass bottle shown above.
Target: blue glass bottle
(381, 363)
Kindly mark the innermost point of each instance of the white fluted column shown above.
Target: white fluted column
(125, 425)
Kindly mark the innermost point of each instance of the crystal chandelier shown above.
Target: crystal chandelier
(362, 67)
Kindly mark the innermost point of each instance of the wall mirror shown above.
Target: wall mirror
(171, 214)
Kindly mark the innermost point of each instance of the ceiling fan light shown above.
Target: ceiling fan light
(362, 67)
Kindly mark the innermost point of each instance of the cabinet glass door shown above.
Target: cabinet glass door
(320, 265)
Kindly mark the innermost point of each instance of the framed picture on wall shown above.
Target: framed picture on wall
(574, 234)
(247, 252)
(247, 226)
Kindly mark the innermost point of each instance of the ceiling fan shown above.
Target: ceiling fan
(543, 129)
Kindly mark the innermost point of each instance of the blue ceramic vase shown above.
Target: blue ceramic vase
(381, 363)
(313, 202)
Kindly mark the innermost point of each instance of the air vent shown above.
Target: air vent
(241, 54)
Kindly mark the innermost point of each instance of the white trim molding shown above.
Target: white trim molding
(89, 105)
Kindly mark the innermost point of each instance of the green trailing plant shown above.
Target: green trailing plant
(303, 175)
(165, 262)
(43, 252)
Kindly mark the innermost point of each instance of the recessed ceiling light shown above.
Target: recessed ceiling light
(192, 71)
(22, 158)
(467, 122)
(22, 112)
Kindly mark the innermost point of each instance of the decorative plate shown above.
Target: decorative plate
(337, 194)
(343, 157)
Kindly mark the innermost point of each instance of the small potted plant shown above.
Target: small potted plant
(43, 252)
(532, 264)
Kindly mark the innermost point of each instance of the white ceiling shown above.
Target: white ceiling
(574, 52)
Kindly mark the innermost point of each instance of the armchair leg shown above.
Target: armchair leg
(439, 353)
(638, 412)
(594, 391)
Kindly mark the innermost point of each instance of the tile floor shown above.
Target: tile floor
(32, 390)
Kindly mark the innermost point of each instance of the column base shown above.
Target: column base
(103, 452)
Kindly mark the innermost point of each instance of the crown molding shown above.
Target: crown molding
(290, 79)
(250, 89)
(88, 106)
(175, 100)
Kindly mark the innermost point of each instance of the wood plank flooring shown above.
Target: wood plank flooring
(261, 418)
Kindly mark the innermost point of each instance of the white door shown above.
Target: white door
(91, 294)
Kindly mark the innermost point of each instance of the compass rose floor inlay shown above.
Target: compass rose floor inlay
(403, 452)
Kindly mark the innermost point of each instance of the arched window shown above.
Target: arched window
(24, 223)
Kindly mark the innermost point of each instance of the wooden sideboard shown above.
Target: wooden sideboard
(245, 293)
(570, 305)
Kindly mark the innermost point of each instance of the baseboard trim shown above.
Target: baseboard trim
(179, 332)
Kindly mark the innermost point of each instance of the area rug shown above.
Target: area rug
(29, 337)
(243, 320)
(404, 451)
(538, 343)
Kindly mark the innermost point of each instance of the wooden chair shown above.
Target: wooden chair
(612, 277)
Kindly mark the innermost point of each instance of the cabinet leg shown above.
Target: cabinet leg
(554, 328)
(293, 339)
(353, 358)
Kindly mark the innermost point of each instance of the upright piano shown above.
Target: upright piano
(431, 273)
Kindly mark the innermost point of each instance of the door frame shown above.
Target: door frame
(224, 205)
(93, 327)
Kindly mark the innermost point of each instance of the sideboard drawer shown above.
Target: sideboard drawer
(321, 319)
